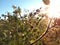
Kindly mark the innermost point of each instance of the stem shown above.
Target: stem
(42, 34)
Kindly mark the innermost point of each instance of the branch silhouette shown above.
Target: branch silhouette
(42, 34)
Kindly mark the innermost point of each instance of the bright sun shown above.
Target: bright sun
(54, 9)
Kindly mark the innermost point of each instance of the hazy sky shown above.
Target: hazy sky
(6, 5)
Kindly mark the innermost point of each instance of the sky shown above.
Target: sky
(6, 5)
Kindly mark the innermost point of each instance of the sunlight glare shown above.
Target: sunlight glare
(54, 9)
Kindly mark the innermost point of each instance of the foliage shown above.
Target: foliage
(23, 30)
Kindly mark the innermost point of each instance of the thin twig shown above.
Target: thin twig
(42, 34)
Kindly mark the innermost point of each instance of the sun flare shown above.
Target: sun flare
(54, 9)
